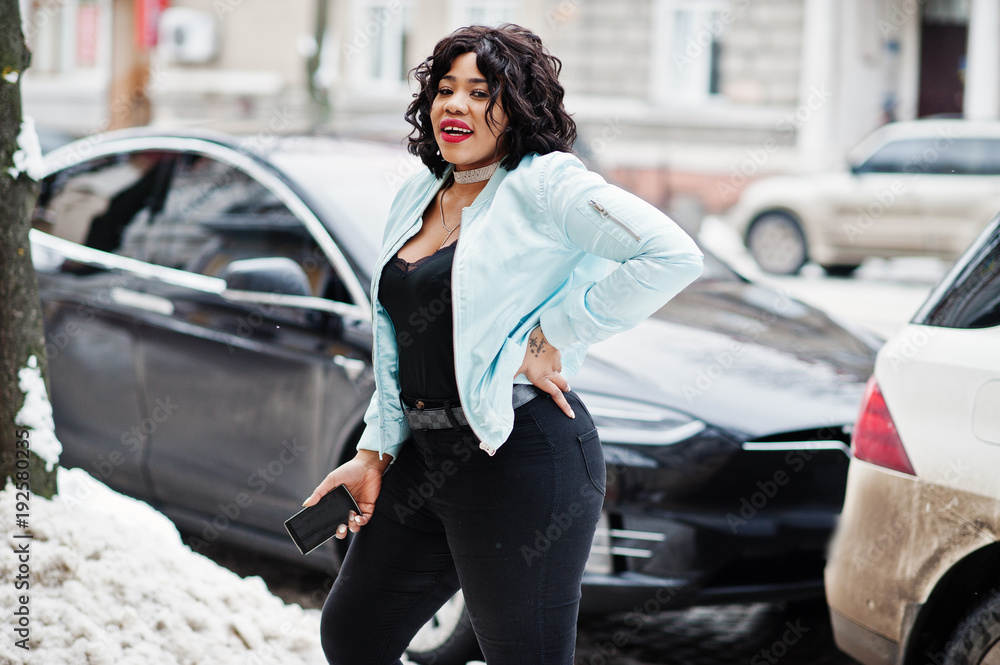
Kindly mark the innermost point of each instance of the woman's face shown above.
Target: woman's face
(458, 114)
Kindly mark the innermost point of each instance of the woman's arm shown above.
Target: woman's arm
(657, 258)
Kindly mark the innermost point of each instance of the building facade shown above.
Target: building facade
(682, 101)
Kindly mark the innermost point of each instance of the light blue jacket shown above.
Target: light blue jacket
(539, 244)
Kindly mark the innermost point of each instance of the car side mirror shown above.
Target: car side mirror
(268, 275)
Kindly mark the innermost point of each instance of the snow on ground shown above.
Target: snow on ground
(881, 296)
(112, 584)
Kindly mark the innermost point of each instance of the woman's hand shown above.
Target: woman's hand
(542, 364)
(363, 478)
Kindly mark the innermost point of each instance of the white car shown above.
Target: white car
(921, 188)
(913, 574)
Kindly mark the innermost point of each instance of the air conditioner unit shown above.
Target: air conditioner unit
(187, 36)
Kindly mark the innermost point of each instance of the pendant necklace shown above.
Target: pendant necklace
(450, 231)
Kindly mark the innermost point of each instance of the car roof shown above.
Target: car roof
(929, 128)
(263, 145)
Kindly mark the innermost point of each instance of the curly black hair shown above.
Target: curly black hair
(520, 74)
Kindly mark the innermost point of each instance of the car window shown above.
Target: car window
(105, 203)
(904, 156)
(215, 214)
(970, 157)
(973, 298)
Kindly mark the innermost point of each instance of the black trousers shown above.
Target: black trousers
(513, 531)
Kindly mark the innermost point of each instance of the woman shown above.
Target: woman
(501, 263)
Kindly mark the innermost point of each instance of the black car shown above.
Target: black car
(209, 338)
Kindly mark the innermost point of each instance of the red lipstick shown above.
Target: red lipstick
(454, 130)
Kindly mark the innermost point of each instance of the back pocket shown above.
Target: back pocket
(593, 457)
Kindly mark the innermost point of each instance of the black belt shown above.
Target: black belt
(425, 414)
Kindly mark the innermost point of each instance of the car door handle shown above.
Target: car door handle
(352, 366)
(144, 301)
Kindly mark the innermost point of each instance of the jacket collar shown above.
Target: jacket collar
(433, 187)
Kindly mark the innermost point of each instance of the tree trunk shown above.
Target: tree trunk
(21, 332)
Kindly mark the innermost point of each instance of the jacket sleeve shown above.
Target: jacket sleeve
(657, 258)
(386, 363)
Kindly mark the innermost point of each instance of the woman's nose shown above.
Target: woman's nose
(456, 103)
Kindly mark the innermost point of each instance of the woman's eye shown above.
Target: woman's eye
(444, 91)
(482, 94)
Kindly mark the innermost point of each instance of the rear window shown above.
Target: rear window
(970, 296)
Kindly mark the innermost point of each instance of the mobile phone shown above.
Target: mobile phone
(313, 526)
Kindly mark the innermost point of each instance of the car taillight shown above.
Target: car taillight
(875, 438)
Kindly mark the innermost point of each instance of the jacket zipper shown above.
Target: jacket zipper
(609, 215)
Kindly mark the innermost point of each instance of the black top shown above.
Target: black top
(417, 297)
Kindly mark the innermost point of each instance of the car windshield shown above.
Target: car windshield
(353, 189)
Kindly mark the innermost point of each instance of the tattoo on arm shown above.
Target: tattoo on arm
(537, 346)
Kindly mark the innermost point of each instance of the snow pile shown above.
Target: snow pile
(113, 584)
(28, 157)
(36, 414)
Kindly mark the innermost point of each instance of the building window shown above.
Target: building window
(380, 41)
(68, 36)
(687, 49)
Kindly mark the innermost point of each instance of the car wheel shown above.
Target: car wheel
(448, 638)
(977, 639)
(841, 269)
(777, 243)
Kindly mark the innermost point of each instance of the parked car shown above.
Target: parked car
(914, 570)
(920, 188)
(208, 330)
